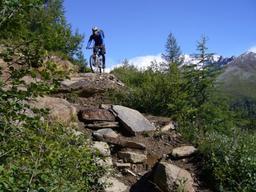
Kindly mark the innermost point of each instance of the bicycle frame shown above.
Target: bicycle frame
(96, 61)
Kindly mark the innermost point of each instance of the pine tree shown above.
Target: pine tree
(203, 56)
(172, 52)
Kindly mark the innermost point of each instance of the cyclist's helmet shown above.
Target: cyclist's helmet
(95, 29)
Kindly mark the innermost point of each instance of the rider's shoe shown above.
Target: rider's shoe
(94, 58)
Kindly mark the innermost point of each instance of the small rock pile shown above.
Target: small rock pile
(112, 126)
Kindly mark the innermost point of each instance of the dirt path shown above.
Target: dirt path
(158, 146)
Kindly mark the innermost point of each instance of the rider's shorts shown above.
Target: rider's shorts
(102, 49)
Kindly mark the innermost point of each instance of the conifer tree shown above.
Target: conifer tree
(203, 55)
(172, 52)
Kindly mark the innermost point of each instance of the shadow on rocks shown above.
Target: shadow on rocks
(145, 184)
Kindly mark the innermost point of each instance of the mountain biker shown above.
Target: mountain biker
(97, 36)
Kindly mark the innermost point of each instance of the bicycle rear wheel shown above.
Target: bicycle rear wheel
(95, 64)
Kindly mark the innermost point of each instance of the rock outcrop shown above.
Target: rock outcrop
(88, 84)
(96, 115)
(170, 177)
(59, 109)
(113, 185)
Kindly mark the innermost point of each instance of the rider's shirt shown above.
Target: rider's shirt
(97, 38)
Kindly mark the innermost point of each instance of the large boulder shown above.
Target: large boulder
(88, 84)
(169, 178)
(60, 110)
(113, 185)
(133, 121)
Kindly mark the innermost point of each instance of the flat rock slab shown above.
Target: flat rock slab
(122, 143)
(132, 120)
(96, 115)
(122, 165)
(104, 133)
(184, 151)
(102, 125)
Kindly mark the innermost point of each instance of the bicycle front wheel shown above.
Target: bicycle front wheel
(95, 64)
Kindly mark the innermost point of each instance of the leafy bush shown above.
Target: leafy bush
(150, 91)
(41, 21)
(231, 160)
(48, 158)
(36, 155)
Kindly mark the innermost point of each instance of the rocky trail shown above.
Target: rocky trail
(143, 153)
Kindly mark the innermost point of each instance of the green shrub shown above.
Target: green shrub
(231, 160)
(35, 155)
(49, 158)
(150, 91)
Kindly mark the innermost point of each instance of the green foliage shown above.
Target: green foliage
(47, 158)
(150, 91)
(41, 21)
(173, 51)
(246, 112)
(203, 56)
(231, 160)
(36, 155)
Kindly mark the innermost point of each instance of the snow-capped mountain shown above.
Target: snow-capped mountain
(220, 61)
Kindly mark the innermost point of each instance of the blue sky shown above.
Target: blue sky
(138, 28)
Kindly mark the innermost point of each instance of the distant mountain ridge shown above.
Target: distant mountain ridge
(215, 59)
(239, 76)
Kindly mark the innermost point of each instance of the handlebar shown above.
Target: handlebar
(93, 47)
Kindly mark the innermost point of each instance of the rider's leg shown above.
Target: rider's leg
(103, 52)
(103, 60)
(94, 52)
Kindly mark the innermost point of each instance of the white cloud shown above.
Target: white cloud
(141, 62)
(252, 49)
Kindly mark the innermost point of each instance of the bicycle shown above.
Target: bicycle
(96, 61)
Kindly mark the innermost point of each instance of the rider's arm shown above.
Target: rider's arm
(102, 34)
(89, 41)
